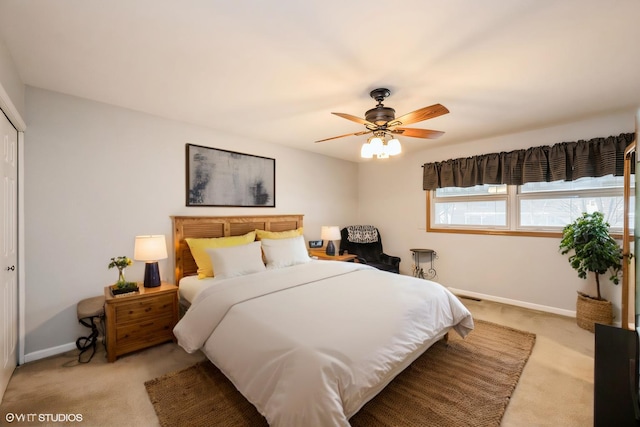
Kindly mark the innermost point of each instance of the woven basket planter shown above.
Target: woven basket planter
(590, 311)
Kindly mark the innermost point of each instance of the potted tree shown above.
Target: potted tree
(594, 250)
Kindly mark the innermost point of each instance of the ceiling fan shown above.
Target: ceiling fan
(381, 121)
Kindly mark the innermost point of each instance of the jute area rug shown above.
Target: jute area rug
(459, 383)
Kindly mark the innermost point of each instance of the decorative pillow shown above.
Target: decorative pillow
(263, 234)
(285, 252)
(198, 250)
(235, 261)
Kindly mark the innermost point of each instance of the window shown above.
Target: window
(482, 205)
(541, 207)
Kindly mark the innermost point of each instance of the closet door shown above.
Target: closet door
(8, 252)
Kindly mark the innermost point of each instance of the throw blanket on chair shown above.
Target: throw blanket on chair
(362, 234)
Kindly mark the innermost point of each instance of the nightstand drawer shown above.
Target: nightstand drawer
(147, 331)
(143, 308)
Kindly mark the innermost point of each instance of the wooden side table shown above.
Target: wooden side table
(135, 322)
(321, 254)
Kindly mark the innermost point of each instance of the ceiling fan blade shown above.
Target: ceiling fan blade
(418, 133)
(419, 115)
(364, 132)
(355, 119)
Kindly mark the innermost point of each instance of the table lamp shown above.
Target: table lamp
(150, 249)
(330, 233)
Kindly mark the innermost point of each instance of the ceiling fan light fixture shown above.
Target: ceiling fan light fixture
(379, 147)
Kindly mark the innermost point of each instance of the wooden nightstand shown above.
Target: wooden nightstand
(321, 254)
(139, 321)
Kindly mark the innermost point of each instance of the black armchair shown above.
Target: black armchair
(365, 242)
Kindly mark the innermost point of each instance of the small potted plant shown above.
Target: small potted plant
(122, 286)
(594, 250)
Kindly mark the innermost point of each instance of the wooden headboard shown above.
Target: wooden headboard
(220, 226)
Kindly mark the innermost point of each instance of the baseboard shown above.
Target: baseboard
(523, 304)
(52, 351)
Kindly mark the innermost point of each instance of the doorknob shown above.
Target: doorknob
(13, 267)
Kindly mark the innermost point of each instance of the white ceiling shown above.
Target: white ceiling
(274, 70)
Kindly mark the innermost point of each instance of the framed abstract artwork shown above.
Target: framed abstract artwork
(226, 178)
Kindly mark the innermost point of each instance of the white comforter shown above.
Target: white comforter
(308, 345)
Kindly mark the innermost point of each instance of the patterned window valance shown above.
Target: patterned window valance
(566, 161)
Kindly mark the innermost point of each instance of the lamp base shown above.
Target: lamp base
(151, 275)
(331, 249)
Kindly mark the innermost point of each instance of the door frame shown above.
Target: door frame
(10, 110)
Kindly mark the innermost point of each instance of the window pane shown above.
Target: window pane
(471, 213)
(478, 190)
(603, 182)
(558, 212)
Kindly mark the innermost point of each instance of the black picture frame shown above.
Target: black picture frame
(218, 177)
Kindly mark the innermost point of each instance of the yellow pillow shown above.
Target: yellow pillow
(263, 234)
(198, 250)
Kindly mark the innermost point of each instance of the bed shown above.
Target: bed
(307, 342)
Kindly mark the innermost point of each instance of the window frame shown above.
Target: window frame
(478, 198)
(513, 199)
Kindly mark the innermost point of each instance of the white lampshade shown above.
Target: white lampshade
(330, 232)
(394, 147)
(150, 248)
(376, 144)
(365, 151)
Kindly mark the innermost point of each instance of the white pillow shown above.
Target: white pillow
(285, 252)
(235, 261)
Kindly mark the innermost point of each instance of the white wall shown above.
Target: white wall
(525, 270)
(98, 175)
(11, 85)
